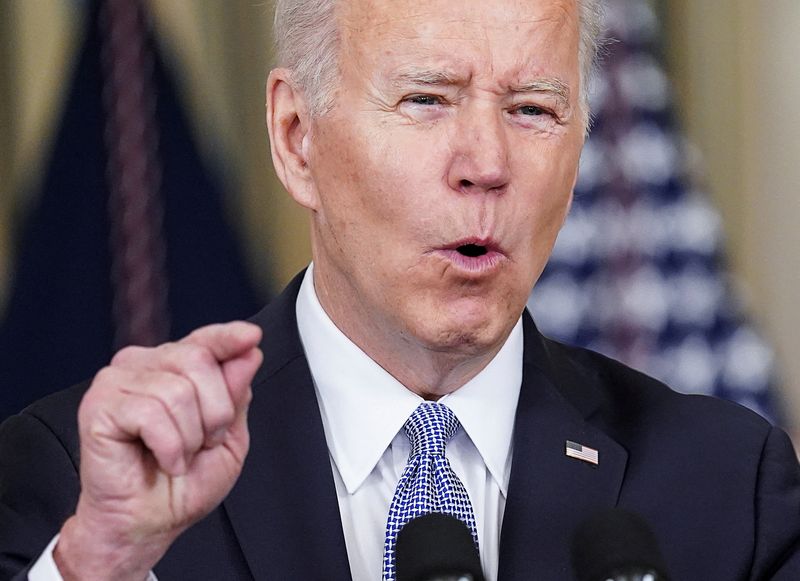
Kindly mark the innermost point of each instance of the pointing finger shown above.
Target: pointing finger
(239, 374)
(226, 340)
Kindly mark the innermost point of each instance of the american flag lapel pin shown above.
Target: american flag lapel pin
(585, 453)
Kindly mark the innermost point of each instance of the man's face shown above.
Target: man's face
(445, 169)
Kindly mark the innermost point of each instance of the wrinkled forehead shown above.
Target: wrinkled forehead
(539, 35)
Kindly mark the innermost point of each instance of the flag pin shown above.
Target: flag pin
(585, 453)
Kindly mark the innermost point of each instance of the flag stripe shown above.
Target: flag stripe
(575, 450)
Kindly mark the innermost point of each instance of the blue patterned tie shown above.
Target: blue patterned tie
(428, 483)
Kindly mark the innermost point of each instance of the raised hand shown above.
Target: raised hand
(163, 438)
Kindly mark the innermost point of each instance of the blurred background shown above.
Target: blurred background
(137, 198)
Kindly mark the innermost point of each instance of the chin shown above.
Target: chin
(464, 335)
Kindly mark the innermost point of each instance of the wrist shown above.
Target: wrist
(85, 551)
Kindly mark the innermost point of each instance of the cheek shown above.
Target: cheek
(372, 197)
(394, 181)
(547, 182)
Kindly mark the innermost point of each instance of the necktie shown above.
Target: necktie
(428, 483)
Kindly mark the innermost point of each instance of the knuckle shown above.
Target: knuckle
(108, 377)
(222, 414)
(225, 415)
(105, 375)
(198, 359)
(162, 441)
(126, 355)
(166, 350)
(149, 411)
(102, 395)
(180, 393)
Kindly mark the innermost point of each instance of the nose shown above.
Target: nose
(479, 162)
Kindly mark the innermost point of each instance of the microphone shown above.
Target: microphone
(616, 545)
(436, 547)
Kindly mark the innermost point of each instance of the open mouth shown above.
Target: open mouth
(474, 256)
(471, 250)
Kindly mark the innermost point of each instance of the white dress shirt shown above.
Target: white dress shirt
(45, 567)
(363, 411)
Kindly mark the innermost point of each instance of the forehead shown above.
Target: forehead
(531, 36)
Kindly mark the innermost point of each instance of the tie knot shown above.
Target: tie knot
(430, 427)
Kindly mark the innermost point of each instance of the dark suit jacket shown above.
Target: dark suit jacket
(719, 485)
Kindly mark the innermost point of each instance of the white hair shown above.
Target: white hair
(307, 42)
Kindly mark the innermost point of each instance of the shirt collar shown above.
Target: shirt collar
(363, 407)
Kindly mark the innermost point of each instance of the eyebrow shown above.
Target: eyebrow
(430, 77)
(427, 77)
(551, 85)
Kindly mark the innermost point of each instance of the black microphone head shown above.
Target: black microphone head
(614, 543)
(436, 546)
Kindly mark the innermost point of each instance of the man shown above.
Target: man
(436, 147)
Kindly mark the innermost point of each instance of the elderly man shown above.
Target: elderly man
(435, 146)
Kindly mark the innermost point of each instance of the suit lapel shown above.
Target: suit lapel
(283, 508)
(550, 493)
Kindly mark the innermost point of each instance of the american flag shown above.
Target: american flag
(638, 272)
(585, 453)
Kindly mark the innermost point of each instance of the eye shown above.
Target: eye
(531, 111)
(424, 107)
(424, 100)
(534, 117)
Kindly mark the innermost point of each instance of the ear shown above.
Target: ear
(288, 124)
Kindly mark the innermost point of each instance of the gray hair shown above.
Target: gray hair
(307, 42)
